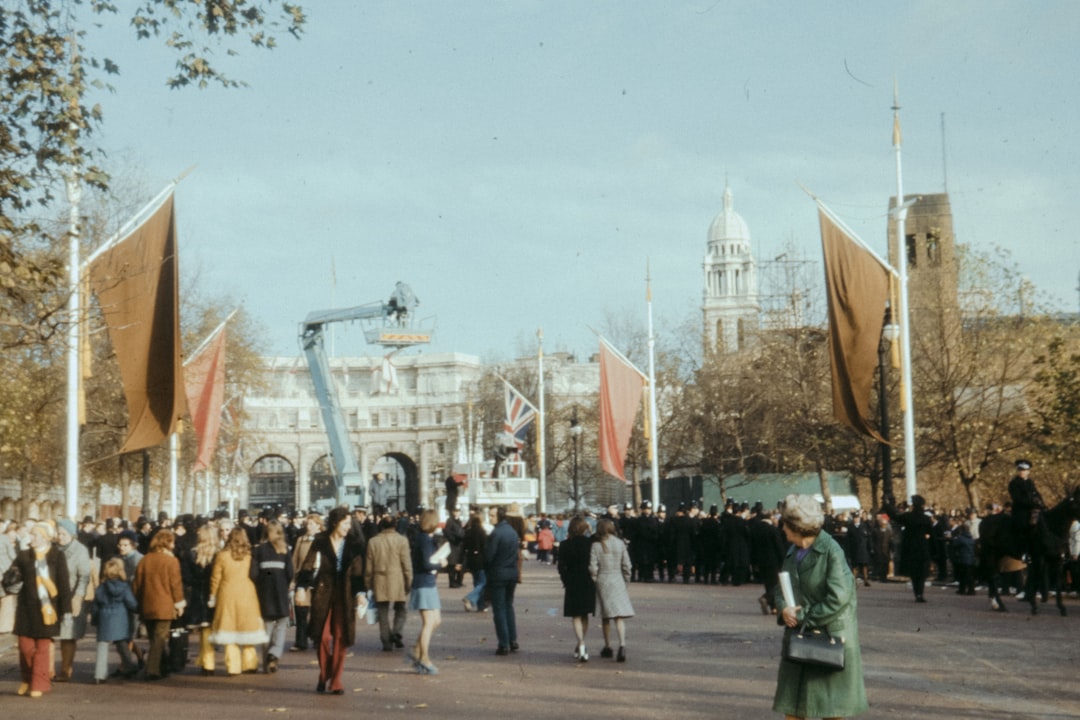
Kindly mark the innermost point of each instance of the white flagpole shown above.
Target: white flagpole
(905, 314)
(74, 193)
(653, 430)
(541, 505)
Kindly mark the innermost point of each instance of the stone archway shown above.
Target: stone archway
(403, 478)
(321, 486)
(272, 482)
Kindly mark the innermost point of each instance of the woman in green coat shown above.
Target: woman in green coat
(824, 591)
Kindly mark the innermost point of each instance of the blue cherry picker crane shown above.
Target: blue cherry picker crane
(390, 324)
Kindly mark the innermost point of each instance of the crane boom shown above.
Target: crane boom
(395, 330)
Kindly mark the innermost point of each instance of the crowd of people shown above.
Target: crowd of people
(237, 586)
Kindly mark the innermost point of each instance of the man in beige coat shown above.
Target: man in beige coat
(388, 574)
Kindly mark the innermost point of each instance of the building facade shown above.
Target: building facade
(731, 307)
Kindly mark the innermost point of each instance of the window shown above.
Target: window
(933, 249)
(912, 251)
(374, 420)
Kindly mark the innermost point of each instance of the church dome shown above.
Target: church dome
(728, 226)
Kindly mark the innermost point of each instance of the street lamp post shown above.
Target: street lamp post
(575, 438)
(889, 335)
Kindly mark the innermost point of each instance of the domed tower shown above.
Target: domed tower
(731, 307)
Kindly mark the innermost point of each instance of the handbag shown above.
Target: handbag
(815, 647)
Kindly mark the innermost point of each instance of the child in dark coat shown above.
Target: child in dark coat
(962, 549)
(113, 600)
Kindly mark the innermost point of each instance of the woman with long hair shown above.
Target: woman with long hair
(272, 573)
(579, 596)
(160, 593)
(609, 566)
(197, 567)
(237, 623)
(336, 564)
(313, 524)
(425, 595)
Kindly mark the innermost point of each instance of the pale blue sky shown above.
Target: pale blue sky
(518, 162)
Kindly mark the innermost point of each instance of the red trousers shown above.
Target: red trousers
(34, 662)
(332, 652)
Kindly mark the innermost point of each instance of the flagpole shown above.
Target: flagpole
(653, 430)
(71, 505)
(541, 505)
(905, 313)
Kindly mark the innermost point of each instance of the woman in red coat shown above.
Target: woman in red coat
(160, 593)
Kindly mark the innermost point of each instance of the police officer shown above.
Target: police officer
(647, 540)
(1027, 508)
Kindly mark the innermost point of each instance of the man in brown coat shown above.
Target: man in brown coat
(388, 573)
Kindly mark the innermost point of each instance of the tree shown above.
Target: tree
(1056, 399)
(973, 373)
(46, 128)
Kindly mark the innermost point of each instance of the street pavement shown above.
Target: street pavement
(694, 651)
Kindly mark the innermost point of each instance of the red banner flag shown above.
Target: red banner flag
(204, 381)
(620, 395)
(858, 289)
(137, 285)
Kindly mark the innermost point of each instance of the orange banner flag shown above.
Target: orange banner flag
(204, 382)
(620, 394)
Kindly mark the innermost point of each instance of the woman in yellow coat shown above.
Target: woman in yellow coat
(237, 620)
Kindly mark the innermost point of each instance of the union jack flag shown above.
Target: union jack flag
(519, 415)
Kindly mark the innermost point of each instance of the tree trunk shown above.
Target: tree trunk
(125, 488)
(826, 493)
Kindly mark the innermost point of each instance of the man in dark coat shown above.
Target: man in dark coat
(683, 538)
(501, 554)
(881, 548)
(1027, 508)
(708, 567)
(454, 532)
(767, 546)
(916, 527)
(738, 545)
(647, 540)
(859, 550)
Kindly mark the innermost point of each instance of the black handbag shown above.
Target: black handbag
(814, 647)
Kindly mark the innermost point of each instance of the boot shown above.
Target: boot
(67, 660)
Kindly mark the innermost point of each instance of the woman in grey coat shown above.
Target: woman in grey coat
(72, 625)
(609, 566)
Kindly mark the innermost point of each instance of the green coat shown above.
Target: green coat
(825, 588)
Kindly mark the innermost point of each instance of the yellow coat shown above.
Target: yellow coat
(237, 619)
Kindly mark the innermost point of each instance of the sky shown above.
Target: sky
(520, 164)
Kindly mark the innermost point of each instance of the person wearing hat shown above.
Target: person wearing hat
(916, 527)
(684, 539)
(72, 625)
(39, 577)
(1027, 508)
(647, 540)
